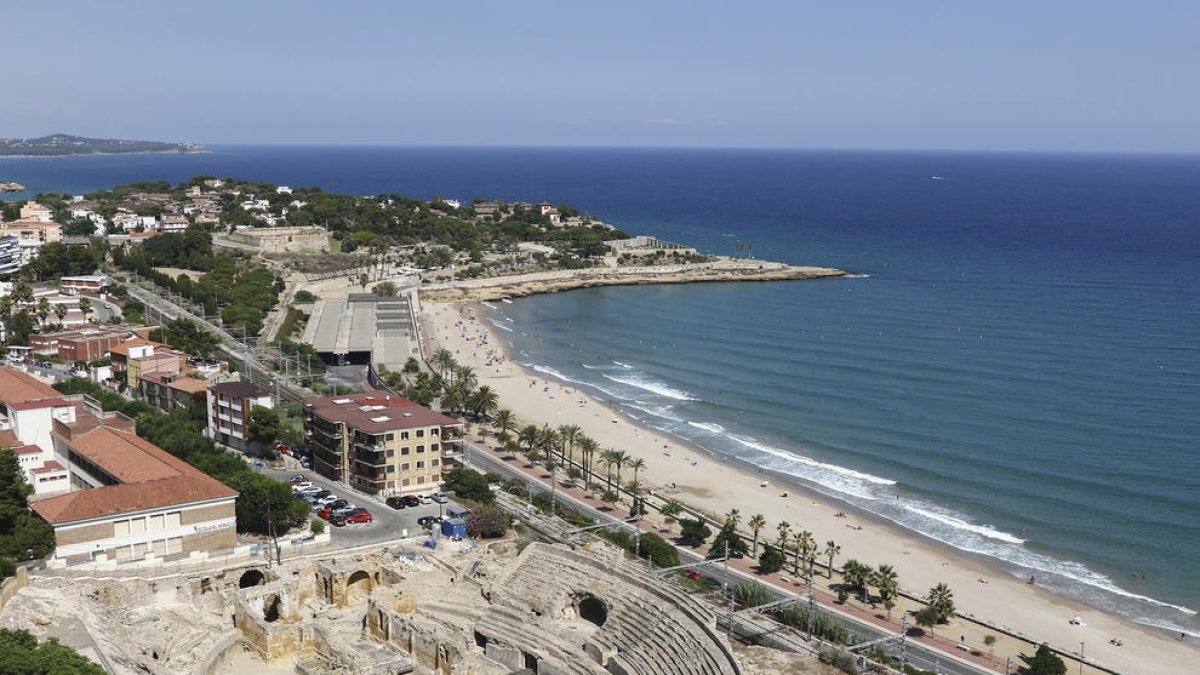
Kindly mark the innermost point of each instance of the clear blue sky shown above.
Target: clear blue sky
(952, 74)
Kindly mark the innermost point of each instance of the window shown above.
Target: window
(156, 523)
(420, 448)
(160, 547)
(175, 545)
(404, 435)
(391, 437)
(404, 482)
(435, 462)
(137, 526)
(173, 519)
(433, 447)
(420, 480)
(391, 452)
(391, 468)
(404, 466)
(404, 451)
(434, 432)
(420, 465)
(420, 433)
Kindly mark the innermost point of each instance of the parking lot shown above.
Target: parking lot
(388, 524)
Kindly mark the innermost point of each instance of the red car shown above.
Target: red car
(359, 516)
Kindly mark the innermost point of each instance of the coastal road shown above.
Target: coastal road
(916, 654)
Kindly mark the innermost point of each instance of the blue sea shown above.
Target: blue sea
(1015, 371)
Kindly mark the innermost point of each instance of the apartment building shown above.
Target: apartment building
(380, 443)
(229, 405)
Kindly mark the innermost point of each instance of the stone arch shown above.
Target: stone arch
(592, 609)
(358, 587)
(252, 577)
(271, 608)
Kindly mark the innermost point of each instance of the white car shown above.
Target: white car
(328, 499)
(440, 497)
(307, 489)
(425, 499)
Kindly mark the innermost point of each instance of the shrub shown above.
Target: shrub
(317, 526)
(694, 531)
(488, 522)
(771, 560)
(751, 594)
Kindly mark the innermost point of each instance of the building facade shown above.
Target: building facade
(28, 410)
(229, 405)
(380, 443)
(169, 391)
(131, 499)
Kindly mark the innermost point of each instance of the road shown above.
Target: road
(388, 525)
(917, 655)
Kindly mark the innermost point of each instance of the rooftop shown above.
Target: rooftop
(19, 387)
(237, 389)
(150, 478)
(375, 411)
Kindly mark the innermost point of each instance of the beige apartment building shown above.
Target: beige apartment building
(381, 443)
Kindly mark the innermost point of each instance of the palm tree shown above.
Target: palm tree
(464, 376)
(588, 446)
(547, 440)
(85, 306)
(671, 509)
(443, 360)
(856, 574)
(941, 599)
(60, 310)
(505, 423)
(888, 584)
(831, 549)
(622, 460)
(484, 402)
(734, 516)
(606, 460)
(757, 523)
(528, 437)
(797, 551)
(570, 433)
(784, 530)
(22, 293)
(43, 309)
(637, 464)
(807, 547)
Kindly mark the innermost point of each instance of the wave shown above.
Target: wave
(710, 427)
(752, 443)
(488, 305)
(663, 412)
(653, 387)
(547, 370)
(499, 325)
(960, 524)
(623, 365)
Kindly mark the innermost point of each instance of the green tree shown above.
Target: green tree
(771, 560)
(21, 654)
(926, 617)
(728, 533)
(263, 426)
(694, 531)
(887, 582)
(757, 522)
(658, 551)
(989, 641)
(831, 550)
(22, 534)
(386, 289)
(471, 484)
(671, 510)
(1044, 662)
(941, 599)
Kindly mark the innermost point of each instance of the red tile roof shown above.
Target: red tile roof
(19, 387)
(8, 439)
(30, 449)
(150, 478)
(56, 402)
(49, 467)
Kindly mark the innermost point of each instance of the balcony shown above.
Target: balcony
(370, 458)
(321, 454)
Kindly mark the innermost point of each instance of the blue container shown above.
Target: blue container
(454, 527)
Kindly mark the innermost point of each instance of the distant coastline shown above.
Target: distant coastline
(198, 151)
(66, 145)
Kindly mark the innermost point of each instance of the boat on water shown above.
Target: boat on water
(938, 178)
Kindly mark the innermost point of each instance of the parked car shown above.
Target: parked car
(428, 521)
(359, 516)
(337, 521)
(309, 490)
(337, 504)
(395, 502)
(345, 510)
(328, 499)
(410, 500)
(282, 449)
(426, 499)
(299, 478)
(440, 497)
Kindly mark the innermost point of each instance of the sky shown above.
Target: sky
(1050, 76)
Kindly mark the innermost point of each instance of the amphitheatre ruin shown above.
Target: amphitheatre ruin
(491, 609)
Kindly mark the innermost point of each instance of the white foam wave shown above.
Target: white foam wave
(710, 427)
(653, 387)
(488, 305)
(960, 524)
(623, 365)
(499, 325)
(547, 370)
(658, 411)
(752, 443)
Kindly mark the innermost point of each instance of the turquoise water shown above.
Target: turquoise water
(1016, 375)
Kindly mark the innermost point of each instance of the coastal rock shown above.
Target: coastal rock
(521, 285)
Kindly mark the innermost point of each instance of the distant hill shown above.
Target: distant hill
(60, 145)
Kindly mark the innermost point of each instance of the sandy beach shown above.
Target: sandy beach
(984, 592)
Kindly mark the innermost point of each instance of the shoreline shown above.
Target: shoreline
(983, 587)
(110, 154)
(535, 283)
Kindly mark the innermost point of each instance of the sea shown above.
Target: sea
(1012, 370)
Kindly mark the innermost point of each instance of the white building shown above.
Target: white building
(29, 408)
(229, 405)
